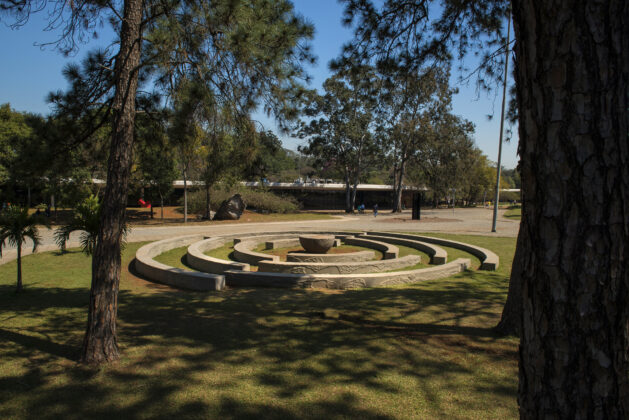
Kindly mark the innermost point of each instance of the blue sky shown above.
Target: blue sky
(29, 72)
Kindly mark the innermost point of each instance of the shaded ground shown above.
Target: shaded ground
(421, 351)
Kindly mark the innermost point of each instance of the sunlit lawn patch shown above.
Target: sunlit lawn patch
(417, 351)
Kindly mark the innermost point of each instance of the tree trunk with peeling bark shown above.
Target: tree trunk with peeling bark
(100, 343)
(572, 80)
(348, 193)
(398, 177)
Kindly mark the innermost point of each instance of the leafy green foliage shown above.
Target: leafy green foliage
(447, 160)
(13, 131)
(271, 159)
(406, 36)
(156, 157)
(340, 133)
(260, 200)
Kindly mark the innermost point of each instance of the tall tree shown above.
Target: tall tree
(156, 158)
(410, 103)
(342, 133)
(443, 161)
(228, 148)
(271, 160)
(572, 76)
(248, 50)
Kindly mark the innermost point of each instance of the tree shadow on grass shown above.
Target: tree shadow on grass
(250, 353)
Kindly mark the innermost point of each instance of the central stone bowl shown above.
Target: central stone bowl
(317, 244)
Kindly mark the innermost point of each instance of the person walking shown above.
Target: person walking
(375, 210)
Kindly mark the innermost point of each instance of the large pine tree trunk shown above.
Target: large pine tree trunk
(572, 77)
(100, 342)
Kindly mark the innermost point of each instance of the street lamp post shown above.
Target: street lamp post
(502, 120)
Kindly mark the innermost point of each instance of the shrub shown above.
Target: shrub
(259, 200)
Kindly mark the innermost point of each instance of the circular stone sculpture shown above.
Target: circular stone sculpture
(317, 244)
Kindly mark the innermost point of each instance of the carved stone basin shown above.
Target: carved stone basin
(317, 244)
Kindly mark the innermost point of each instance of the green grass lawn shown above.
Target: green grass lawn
(418, 351)
(514, 213)
(176, 257)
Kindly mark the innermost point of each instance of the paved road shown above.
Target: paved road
(475, 221)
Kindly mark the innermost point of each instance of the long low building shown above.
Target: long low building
(321, 195)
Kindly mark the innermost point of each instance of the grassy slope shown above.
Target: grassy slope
(514, 213)
(418, 351)
(175, 258)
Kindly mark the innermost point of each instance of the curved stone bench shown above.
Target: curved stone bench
(177, 277)
(243, 245)
(243, 252)
(282, 243)
(437, 255)
(290, 242)
(270, 236)
(389, 251)
(377, 266)
(197, 259)
(331, 258)
(344, 281)
(489, 260)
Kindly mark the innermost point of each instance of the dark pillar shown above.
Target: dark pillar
(417, 201)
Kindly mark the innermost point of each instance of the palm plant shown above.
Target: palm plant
(16, 226)
(86, 219)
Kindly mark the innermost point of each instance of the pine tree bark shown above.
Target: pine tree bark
(572, 78)
(100, 343)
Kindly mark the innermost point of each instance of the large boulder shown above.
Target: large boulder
(231, 209)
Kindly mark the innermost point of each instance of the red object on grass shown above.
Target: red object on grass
(143, 203)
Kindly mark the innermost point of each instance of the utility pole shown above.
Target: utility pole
(502, 121)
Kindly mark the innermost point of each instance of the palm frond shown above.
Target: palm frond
(16, 225)
(87, 220)
(62, 234)
(32, 233)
